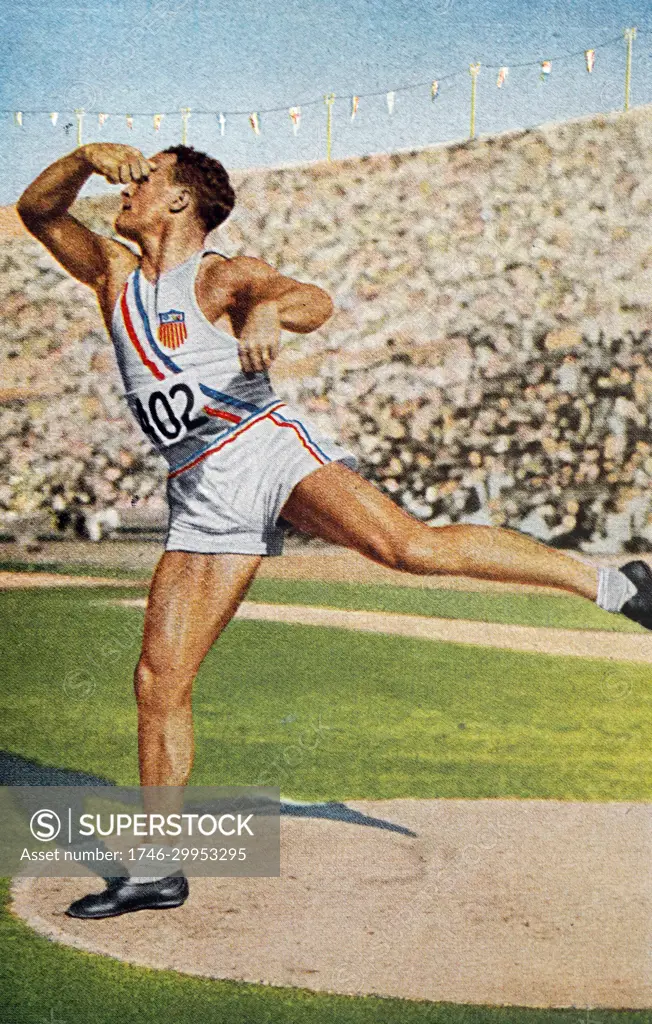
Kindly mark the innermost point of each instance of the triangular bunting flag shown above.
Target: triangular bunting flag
(434, 90)
(502, 77)
(391, 96)
(354, 106)
(546, 69)
(590, 60)
(102, 119)
(157, 122)
(254, 121)
(295, 117)
(54, 117)
(18, 118)
(222, 122)
(130, 121)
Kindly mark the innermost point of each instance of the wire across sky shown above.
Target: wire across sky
(225, 60)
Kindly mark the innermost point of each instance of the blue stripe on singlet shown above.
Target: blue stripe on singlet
(171, 365)
(219, 396)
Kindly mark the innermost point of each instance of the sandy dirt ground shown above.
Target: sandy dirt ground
(527, 903)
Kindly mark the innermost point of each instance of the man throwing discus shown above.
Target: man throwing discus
(194, 335)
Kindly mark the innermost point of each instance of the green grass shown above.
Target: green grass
(330, 715)
(526, 609)
(73, 569)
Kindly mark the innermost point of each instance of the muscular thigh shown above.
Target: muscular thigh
(191, 599)
(340, 506)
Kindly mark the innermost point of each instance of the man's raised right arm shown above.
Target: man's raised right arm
(44, 205)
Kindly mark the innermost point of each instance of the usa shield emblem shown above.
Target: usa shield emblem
(172, 330)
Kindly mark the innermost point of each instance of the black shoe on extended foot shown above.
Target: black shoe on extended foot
(639, 607)
(123, 895)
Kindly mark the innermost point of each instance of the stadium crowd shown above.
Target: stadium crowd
(561, 450)
(560, 447)
(489, 359)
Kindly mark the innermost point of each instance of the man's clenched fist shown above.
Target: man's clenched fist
(117, 163)
(259, 340)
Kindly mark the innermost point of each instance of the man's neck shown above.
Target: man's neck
(166, 251)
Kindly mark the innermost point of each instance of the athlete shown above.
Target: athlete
(195, 334)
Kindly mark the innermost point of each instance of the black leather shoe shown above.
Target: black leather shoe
(639, 607)
(122, 895)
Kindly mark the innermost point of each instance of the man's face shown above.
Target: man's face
(146, 203)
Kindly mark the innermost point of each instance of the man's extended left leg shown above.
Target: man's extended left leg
(340, 506)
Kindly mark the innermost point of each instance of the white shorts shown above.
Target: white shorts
(227, 498)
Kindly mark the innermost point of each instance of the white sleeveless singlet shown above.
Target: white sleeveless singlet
(181, 374)
(235, 450)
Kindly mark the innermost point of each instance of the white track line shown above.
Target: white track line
(32, 580)
(579, 643)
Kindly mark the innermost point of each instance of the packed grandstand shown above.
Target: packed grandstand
(488, 361)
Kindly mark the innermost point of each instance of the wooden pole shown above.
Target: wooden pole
(79, 114)
(185, 114)
(630, 36)
(474, 70)
(329, 100)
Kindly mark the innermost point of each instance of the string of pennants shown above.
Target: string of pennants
(295, 112)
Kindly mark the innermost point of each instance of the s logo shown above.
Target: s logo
(45, 825)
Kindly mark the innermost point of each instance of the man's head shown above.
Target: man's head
(184, 184)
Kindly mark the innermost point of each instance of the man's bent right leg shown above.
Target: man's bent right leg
(191, 600)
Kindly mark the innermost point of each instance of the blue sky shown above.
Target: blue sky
(149, 56)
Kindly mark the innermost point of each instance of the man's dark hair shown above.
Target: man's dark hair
(208, 182)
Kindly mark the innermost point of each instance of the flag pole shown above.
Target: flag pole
(79, 114)
(329, 99)
(474, 70)
(630, 36)
(185, 114)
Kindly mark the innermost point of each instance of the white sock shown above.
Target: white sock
(614, 589)
(165, 870)
(141, 880)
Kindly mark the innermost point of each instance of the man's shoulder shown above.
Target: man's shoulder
(214, 257)
(238, 269)
(122, 252)
(121, 262)
(121, 257)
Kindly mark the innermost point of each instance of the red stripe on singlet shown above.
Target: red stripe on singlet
(222, 415)
(126, 316)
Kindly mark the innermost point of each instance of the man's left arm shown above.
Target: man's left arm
(302, 307)
(271, 302)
